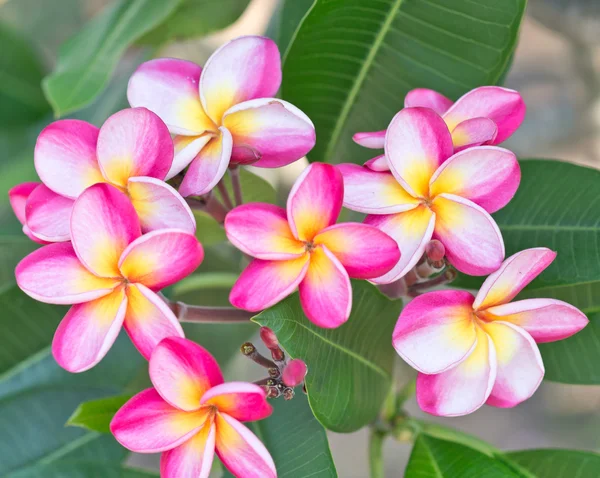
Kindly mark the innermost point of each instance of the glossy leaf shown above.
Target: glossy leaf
(349, 368)
(82, 469)
(558, 463)
(96, 414)
(352, 62)
(22, 100)
(88, 59)
(195, 18)
(12, 250)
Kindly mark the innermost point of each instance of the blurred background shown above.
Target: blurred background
(556, 68)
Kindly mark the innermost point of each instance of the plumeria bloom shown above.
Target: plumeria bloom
(111, 273)
(475, 350)
(190, 413)
(18, 197)
(485, 115)
(224, 114)
(431, 193)
(303, 247)
(132, 150)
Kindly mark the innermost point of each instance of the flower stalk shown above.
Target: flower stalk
(237, 185)
(207, 315)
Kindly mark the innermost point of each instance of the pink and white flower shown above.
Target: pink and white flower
(475, 350)
(485, 115)
(111, 273)
(224, 114)
(431, 193)
(303, 247)
(190, 414)
(132, 150)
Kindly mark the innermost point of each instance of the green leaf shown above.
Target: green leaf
(296, 440)
(96, 415)
(21, 97)
(558, 463)
(195, 18)
(12, 250)
(82, 469)
(349, 368)
(208, 230)
(254, 188)
(286, 22)
(433, 457)
(352, 61)
(88, 59)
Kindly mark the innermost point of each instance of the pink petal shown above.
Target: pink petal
(264, 283)
(186, 149)
(240, 451)
(473, 132)
(294, 372)
(159, 205)
(520, 367)
(169, 88)
(53, 274)
(363, 250)
(161, 258)
(471, 237)
(275, 131)
(427, 99)
(315, 200)
(148, 424)
(134, 142)
(262, 231)
(65, 157)
(88, 331)
(416, 144)
(243, 69)
(370, 139)
(546, 320)
(464, 388)
(48, 215)
(378, 163)
(182, 371)
(411, 230)
(325, 291)
(209, 166)
(192, 458)
(487, 175)
(374, 192)
(505, 107)
(103, 223)
(511, 278)
(18, 197)
(436, 331)
(243, 401)
(148, 319)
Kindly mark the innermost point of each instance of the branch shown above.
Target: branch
(237, 186)
(207, 315)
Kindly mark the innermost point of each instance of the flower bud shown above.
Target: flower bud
(294, 373)
(435, 251)
(269, 338)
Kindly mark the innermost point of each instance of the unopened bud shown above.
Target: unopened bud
(277, 354)
(269, 338)
(435, 251)
(294, 373)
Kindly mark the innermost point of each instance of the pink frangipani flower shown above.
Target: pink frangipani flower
(132, 151)
(303, 247)
(18, 197)
(485, 115)
(111, 273)
(431, 193)
(475, 350)
(224, 114)
(190, 413)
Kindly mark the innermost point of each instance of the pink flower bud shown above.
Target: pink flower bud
(435, 251)
(294, 372)
(269, 338)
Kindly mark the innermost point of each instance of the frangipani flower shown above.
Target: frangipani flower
(111, 273)
(18, 197)
(224, 114)
(303, 247)
(485, 115)
(190, 413)
(132, 151)
(475, 350)
(431, 193)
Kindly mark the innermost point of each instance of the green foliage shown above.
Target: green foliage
(88, 59)
(351, 62)
(349, 368)
(96, 415)
(558, 463)
(194, 18)
(21, 98)
(81, 469)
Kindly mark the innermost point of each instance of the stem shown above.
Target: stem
(445, 277)
(225, 195)
(376, 439)
(237, 186)
(207, 315)
(210, 204)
